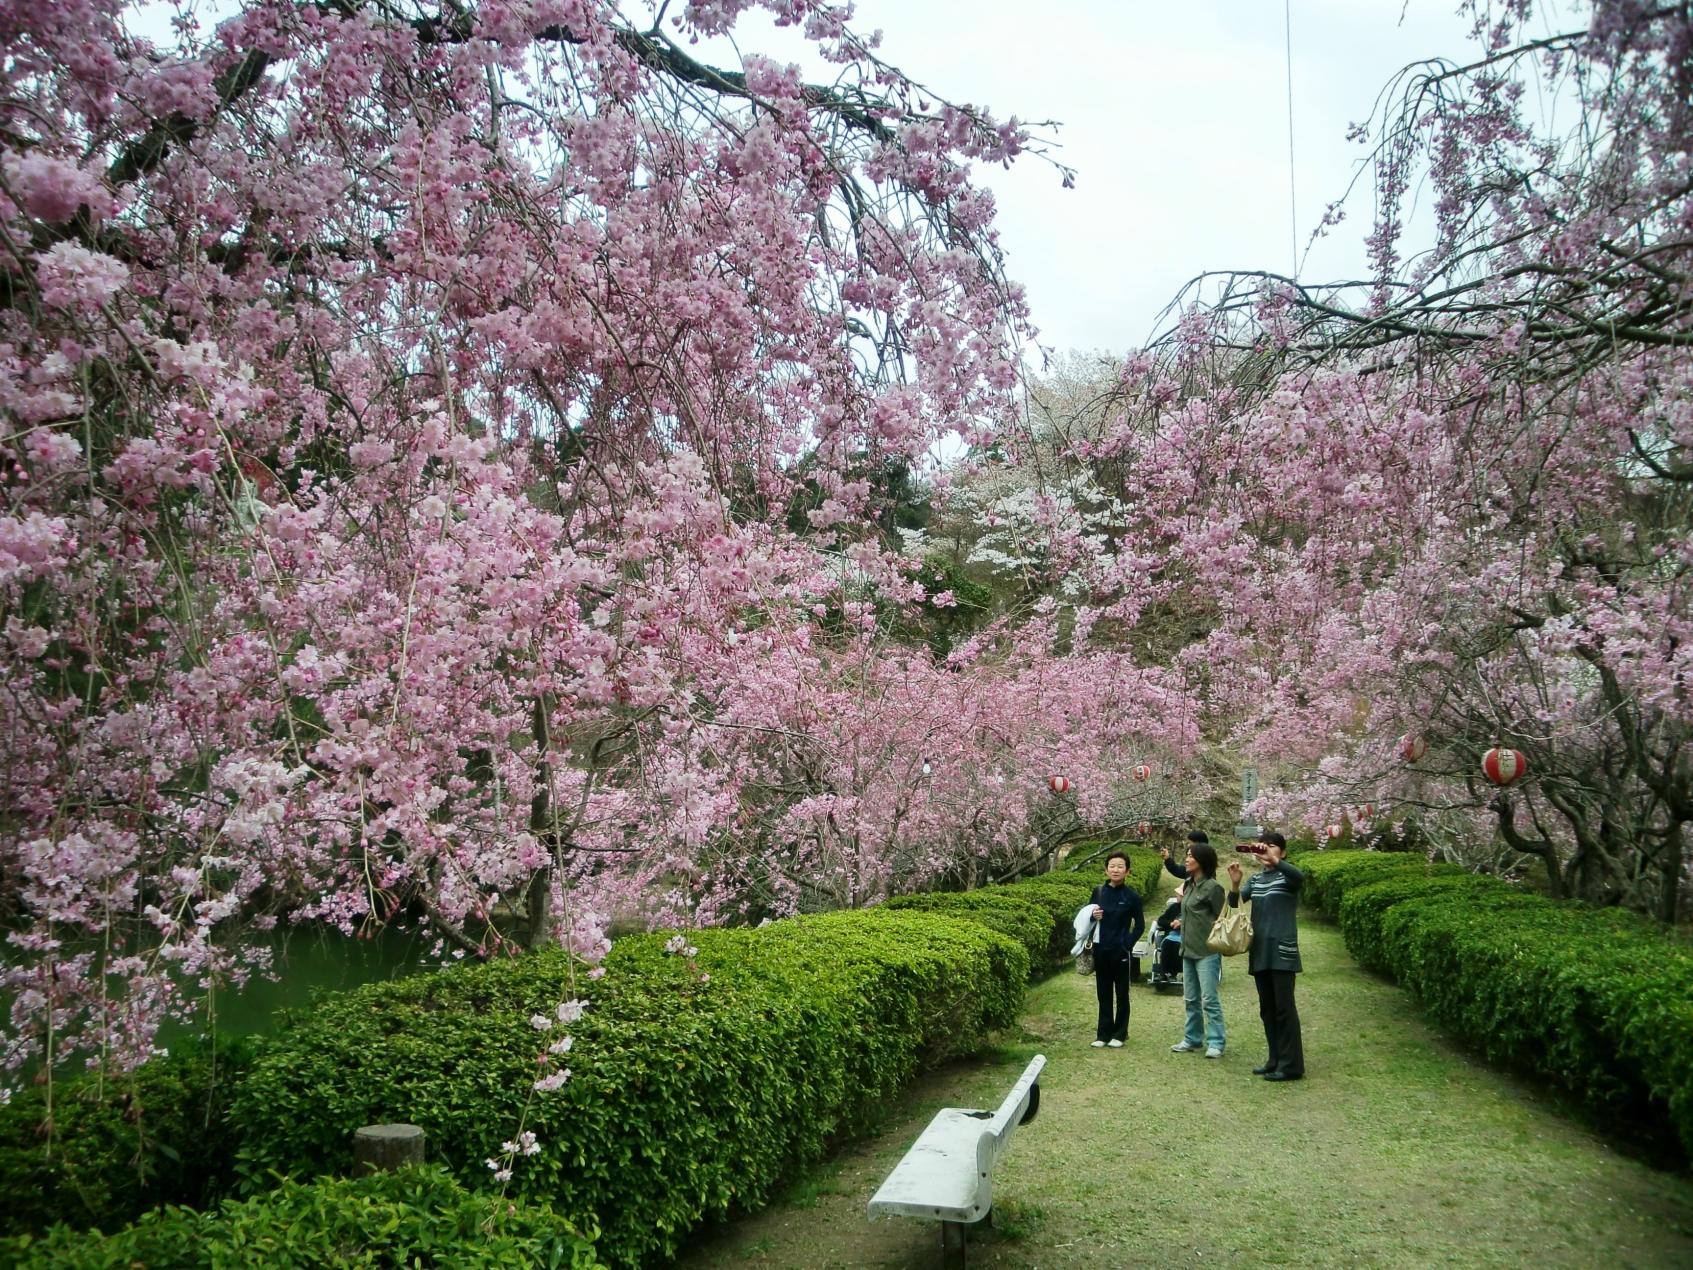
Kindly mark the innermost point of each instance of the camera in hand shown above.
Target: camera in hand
(1252, 848)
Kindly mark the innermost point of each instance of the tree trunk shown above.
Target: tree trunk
(1669, 897)
(538, 904)
(1529, 846)
(538, 899)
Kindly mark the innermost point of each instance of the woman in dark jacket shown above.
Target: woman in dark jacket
(1202, 905)
(1274, 958)
(1117, 910)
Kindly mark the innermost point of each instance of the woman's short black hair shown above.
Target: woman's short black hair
(1206, 857)
(1118, 855)
(1271, 838)
(1198, 835)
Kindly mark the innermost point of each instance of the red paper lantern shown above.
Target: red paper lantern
(1145, 828)
(1060, 784)
(1367, 812)
(1143, 773)
(1412, 747)
(1335, 831)
(1503, 766)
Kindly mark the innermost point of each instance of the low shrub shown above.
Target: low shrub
(1019, 918)
(1362, 907)
(420, 1219)
(1058, 896)
(1330, 874)
(1054, 896)
(1596, 1002)
(699, 1081)
(100, 1151)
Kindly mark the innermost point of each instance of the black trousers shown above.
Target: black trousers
(1111, 981)
(1281, 1021)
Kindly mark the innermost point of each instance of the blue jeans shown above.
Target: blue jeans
(1199, 995)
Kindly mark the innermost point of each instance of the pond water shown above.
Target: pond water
(308, 962)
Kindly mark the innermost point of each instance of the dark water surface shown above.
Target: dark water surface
(308, 962)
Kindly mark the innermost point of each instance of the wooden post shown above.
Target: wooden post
(381, 1148)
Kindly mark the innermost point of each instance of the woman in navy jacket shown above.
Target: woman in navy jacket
(1117, 910)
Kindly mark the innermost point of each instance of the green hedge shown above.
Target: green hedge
(1016, 917)
(1146, 872)
(1598, 1002)
(419, 1219)
(1054, 897)
(112, 1149)
(690, 1098)
(1329, 874)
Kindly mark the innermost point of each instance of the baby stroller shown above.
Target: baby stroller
(1164, 947)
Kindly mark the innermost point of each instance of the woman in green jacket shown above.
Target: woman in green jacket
(1202, 904)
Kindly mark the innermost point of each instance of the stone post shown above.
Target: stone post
(381, 1148)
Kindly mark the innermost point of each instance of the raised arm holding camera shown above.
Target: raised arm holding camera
(1274, 957)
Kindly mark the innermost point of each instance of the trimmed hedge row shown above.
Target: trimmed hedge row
(1036, 911)
(821, 1017)
(104, 1152)
(1596, 1001)
(420, 1219)
(1015, 917)
(691, 1096)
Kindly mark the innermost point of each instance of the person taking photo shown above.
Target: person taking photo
(1274, 956)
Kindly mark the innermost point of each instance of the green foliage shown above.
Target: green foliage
(1328, 874)
(1016, 1221)
(1062, 892)
(1146, 869)
(1028, 923)
(105, 1150)
(415, 1218)
(1037, 911)
(943, 627)
(1364, 905)
(1598, 1002)
(690, 1097)
(1058, 895)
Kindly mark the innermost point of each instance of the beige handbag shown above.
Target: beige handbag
(1232, 932)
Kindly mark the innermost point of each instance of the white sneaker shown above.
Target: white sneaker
(1116, 1045)
(1183, 1048)
(1099, 1045)
(1213, 1052)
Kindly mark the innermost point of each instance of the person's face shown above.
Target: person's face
(1192, 865)
(1272, 853)
(1116, 870)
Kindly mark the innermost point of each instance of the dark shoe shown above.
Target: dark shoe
(1280, 1076)
(1261, 1070)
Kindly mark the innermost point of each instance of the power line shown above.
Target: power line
(1292, 179)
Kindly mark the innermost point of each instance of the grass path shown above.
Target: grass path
(1398, 1149)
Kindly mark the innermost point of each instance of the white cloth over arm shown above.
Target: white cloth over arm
(1084, 925)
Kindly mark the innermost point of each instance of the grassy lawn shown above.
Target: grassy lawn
(1396, 1150)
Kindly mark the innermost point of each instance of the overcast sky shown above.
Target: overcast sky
(1175, 117)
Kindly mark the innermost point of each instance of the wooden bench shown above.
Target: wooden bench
(947, 1175)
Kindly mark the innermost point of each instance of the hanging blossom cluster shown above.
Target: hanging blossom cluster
(553, 1077)
(442, 456)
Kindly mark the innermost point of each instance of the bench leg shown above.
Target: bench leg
(952, 1245)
